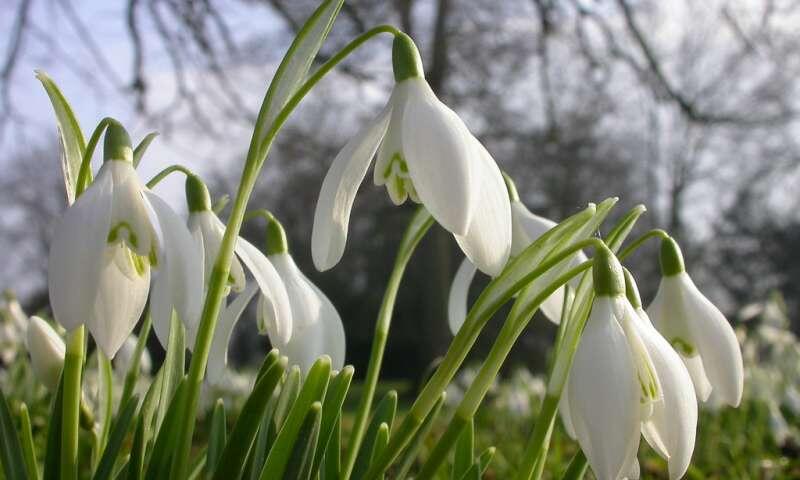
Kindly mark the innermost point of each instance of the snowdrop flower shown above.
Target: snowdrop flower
(105, 246)
(47, 352)
(612, 385)
(697, 330)
(316, 325)
(526, 227)
(672, 427)
(208, 231)
(424, 152)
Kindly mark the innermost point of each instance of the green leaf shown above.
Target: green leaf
(173, 367)
(295, 65)
(132, 375)
(52, 453)
(232, 462)
(302, 458)
(416, 443)
(289, 392)
(465, 446)
(28, 448)
(121, 427)
(332, 464)
(72, 140)
(478, 468)
(269, 360)
(384, 413)
(216, 437)
(331, 411)
(167, 436)
(10, 450)
(148, 410)
(577, 467)
(313, 390)
(138, 152)
(381, 440)
(136, 461)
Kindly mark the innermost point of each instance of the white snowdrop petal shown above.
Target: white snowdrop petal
(604, 395)
(488, 241)
(119, 302)
(332, 213)
(717, 344)
(161, 307)
(76, 252)
(272, 287)
(306, 304)
(702, 387)
(526, 227)
(459, 293)
(218, 355)
(130, 215)
(672, 427)
(441, 158)
(564, 412)
(181, 264)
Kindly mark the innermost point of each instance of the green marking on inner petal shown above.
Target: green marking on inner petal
(114, 234)
(153, 257)
(139, 263)
(396, 158)
(683, 347)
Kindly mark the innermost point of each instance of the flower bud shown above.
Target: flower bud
(47, 352)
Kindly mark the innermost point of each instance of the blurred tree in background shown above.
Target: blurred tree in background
(687, 106)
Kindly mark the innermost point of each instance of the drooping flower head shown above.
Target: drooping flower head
(316, 325)
(208, 231)
(697, 330)
(427, 154)
(105, 246)
(612, 384)
(671, 428)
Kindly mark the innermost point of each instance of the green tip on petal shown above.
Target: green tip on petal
(276, 237)
(631, 290)
(405, 59)
(197, 196)
(117, 144)
(513, 195)
(671, 258)
(609, 281)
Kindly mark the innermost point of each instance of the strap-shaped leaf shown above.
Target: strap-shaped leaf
(381, 440)
(295, 64)
(313, 390)
(332, 465)
(384, 413)
(331, 411)
(121, 428)
(410, 455)
(302, 457)
(72, 141)
(106, 398)
(136, 461)
(28, 448)
(173, 367)
(52, 453)
(232, 462)
(10, 448)
(138, 152)
(465, 449)
(216, 437)
(478, 468)
(289, 391)
(167, 435)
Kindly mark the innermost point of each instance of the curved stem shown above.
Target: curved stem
(256, 156)
(165, 172)
(656, 232)
(512, 328)
(419, 225)
(85, 172)
(132, 376)
(260, 213)
(460, 346)
(312, 81)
